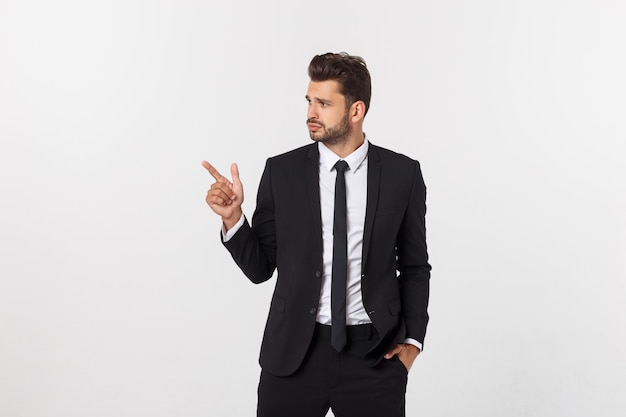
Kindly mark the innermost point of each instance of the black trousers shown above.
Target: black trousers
(339, 381)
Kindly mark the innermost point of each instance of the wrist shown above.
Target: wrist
(232, 220)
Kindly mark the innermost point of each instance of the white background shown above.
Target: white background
(116, 296)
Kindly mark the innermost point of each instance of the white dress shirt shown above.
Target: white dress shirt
(356, 198)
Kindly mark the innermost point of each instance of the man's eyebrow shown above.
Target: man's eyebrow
(321, 100)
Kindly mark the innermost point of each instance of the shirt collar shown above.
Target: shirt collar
(355, 160)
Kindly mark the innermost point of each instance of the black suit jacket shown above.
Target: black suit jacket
(286, 235)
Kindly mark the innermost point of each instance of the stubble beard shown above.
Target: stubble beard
(334, 135)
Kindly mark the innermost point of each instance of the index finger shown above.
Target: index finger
(214, 172)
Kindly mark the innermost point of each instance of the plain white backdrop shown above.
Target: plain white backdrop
(116, 296)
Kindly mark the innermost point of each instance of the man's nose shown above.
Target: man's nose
(312, 111)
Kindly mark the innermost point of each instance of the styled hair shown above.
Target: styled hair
(349, 71)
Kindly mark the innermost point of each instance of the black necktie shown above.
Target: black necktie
(340, 262)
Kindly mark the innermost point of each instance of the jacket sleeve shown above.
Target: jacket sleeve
(254, 247)
(412, 261)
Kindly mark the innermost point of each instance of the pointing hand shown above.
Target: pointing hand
(225, 197)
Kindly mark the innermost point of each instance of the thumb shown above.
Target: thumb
(234, 172)
(393, 352)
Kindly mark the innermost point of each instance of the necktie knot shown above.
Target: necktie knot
(341, 166)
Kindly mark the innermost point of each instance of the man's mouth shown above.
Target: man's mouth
(312, 125)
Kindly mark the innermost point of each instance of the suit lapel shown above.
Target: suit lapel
(311, 170)
(373, 185)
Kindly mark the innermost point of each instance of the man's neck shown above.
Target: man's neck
(348, 146)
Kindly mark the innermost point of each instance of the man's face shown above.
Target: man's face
(327, 118)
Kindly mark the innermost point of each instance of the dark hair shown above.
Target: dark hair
(349, 71)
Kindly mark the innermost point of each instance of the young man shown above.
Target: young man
(342, 220)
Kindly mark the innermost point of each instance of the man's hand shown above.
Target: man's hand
(225, 197)
(406, 353)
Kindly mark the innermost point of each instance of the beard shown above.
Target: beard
(332, 135)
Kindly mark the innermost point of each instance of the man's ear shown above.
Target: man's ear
(357, 111)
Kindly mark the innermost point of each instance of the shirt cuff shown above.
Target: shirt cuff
(413, 342)
(227, 235)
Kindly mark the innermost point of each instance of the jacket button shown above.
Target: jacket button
(318, 274)
(313, 310)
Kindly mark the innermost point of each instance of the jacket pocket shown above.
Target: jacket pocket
(390, 210)
(278, 305)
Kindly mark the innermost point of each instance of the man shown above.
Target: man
(349, 311)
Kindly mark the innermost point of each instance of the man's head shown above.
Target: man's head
(339, 96)
(349, 71)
